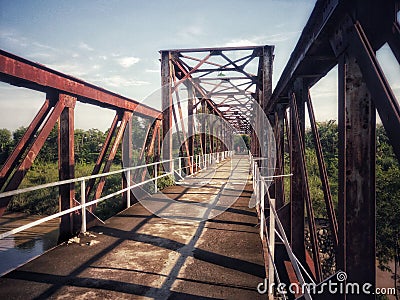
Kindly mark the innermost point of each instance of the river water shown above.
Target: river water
(22, 247)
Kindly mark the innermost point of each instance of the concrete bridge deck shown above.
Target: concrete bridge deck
(138, 255)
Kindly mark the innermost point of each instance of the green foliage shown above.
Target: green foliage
(387, 200)
(164, 182)
(328, 134)
(241, 142)
(49, 151)
(387, 185)
(5, 144)
(41, 202)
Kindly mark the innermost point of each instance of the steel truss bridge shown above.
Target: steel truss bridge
(210, 95)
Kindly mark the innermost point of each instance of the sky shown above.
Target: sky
(114, 44)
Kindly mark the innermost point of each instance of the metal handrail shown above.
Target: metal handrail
(83, 205)
(260, 188)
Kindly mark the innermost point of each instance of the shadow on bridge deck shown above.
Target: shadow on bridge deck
(137, 255)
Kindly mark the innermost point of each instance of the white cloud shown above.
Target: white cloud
(190, 32)
(262, 40)
(40, 55)
(240, 43)
(69, 69)
(85, 46)
(10, 37)
(43, 46)
(128, 61)
(119, 81)
(153, 71)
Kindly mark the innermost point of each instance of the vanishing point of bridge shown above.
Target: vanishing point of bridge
(225, 222)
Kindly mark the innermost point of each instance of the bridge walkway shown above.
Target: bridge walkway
(213, 252)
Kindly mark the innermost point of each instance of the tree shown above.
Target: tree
(5, 144)
(387, 200)
(49, 151)
(17, 134)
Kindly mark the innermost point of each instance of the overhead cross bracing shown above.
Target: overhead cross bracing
(228, 79)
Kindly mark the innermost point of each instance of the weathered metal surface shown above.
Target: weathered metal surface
(113, 151)
(230, 91)
(191, 130)
(31, 153)
(313, 44)
(26, 139)
(166, 102)
(279, 131)
(357, 176)
(323, 173)
(306, 190)
(66, 165)
(297, 211)
(102, 156)
(21, 72)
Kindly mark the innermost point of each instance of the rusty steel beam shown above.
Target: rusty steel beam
(151, 148)
(127, 155)
(26, 139)
(199, 89)
(198, 59)
(185, 140)
(357, 152)
(22, 72)
(323, 173)
(381, 92)
(312, 33)
(203, 139)
(142, 154)
(191, 130)
(124, 121)
(191, 71)
(167, 107)
(297, 211)
(66, 166)
(394, 40)
(31, 153)
(310, 212)
(153, 137)
(314, 42)
(211, 49)
(280, 157)
(102, 156)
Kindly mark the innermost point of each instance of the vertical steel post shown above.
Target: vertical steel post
(190, 126)
(357, 119)
(66, 165)
(203, 126)
(266, 63)
(262, 203)
(156, 179)
(166, 98)
(297, 210)
(271, 269)
(280, 156)
(127, 150)
(128, 185)
(83, 202)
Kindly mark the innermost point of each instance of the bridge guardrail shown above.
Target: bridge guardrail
(201, 162)
(267, 233)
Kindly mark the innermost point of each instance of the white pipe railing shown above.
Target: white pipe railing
(260, 187)
(82, 180)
